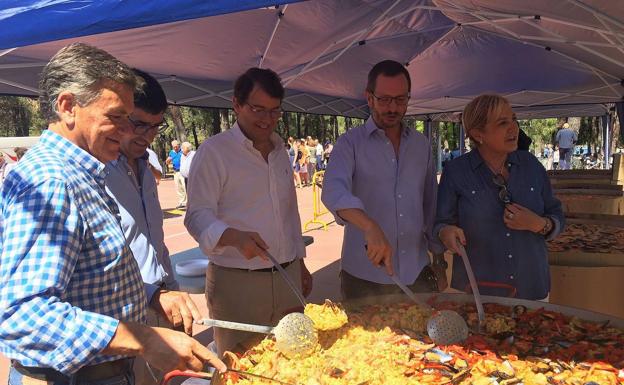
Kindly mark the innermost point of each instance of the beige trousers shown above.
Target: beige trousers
(248, 296)
(180, 185)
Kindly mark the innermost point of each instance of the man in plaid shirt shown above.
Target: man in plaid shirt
(71, 295)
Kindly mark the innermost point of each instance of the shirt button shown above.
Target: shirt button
(400, 196)
(388, 142)
(400, 215)
(510, 256)
(402, 251)
(508, 234)
(531, 188)
(511, 277)
(402, 233)
(474, 192)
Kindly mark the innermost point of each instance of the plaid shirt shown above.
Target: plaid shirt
(66, 276)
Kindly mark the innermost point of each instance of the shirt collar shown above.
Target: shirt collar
(242, 139)
(66, 149)
(371, 127)
(476, 160)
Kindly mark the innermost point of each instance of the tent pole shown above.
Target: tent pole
(606, 134)
(462, 139)
(280, 14)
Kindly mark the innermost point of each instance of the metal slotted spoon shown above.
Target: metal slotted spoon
(295, 335)
(448, 327)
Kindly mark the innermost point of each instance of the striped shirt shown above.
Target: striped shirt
(66, 276)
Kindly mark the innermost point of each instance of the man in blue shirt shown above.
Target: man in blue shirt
(175, 160)
(72, 297)
(381, 184)
(131, 183)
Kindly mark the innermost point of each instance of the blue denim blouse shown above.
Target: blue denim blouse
(468, 198)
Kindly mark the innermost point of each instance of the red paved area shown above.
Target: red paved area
(322, 255)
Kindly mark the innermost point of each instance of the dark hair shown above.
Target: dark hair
(387, 68)
(19, 152)
(80, 69)
(266, 79)
(150, 97)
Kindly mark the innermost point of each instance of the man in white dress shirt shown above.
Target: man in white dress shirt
(241, 205)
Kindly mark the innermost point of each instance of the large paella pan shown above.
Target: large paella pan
(385, 342)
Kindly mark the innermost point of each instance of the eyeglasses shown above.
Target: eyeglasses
(263, 112)
(386, 100)
(503, 193)
(141, 127)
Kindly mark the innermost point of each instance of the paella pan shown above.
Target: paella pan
(385, 342)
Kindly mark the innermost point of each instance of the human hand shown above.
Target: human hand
(177, 307)
(517, 217)
(168, 350)
(378, 248)
(249, 243)
(452, 237)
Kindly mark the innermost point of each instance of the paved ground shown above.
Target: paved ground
(322, 258)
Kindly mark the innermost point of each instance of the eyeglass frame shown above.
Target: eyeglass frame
(264, 112)
(387, 100)
(140, 127)
(504, 195)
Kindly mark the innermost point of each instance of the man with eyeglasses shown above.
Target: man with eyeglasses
(381, 185)
(73, 301)
(131, 183)
(242, 205)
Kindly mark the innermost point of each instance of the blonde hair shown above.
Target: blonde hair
(479, 110)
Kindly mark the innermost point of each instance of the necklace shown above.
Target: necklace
(500, 169)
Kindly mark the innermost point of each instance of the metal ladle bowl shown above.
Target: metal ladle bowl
(295, 335)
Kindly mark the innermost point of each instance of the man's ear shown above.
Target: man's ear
(66, 107)
(237, 106)
(369, 98)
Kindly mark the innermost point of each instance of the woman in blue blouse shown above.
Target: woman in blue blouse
(498, 202)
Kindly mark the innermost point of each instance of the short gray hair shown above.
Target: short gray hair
(80, 69)
(187, 145)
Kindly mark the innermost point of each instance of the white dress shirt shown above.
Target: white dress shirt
(185, 163)
(231, 185)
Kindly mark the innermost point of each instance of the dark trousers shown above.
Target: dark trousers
(353, 287)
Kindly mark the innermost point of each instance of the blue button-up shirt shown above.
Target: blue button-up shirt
(399, 193)
(176, 157)
(141, 220)
(66, 276)
(468, 198)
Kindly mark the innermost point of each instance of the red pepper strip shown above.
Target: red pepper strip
(187, 373)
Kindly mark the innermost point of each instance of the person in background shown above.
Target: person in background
(387, 201)
(566, 139)
(304, 161)
(174, 159)
(498, 202)
(319, 156)
(154, 164)
(185, 163)
(556, 158)
(296, 155)
(327, 152)
(73, 300)
(243, 205)
(311, 146)
(19, 153)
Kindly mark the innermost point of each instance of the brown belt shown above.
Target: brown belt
(97, 372)
(266, 270)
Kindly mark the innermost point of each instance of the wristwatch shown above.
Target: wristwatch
(548, 226)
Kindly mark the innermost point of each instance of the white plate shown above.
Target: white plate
(192, 267)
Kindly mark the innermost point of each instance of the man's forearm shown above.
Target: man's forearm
(356, 217)
(128, 340)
